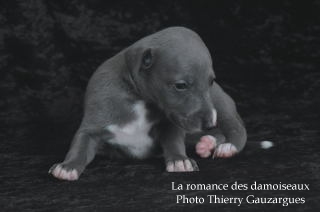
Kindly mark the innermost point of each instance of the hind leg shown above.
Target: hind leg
(81, 153)
(230, 124)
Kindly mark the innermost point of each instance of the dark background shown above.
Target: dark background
(266, 55)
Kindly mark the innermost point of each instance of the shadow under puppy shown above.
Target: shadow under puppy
(149, 96)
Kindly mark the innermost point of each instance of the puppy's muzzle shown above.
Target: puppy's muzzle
(210, 122)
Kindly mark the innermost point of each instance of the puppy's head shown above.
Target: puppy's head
(173, 69)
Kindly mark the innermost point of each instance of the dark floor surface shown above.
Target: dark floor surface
(144, 185)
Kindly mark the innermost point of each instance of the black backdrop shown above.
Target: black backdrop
(266, 56)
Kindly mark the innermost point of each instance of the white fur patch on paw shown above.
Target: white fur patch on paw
(225, 150)
(64, 174)
(205, 146)
(180, 166)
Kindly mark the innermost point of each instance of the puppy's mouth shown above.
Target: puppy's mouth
(182, 122)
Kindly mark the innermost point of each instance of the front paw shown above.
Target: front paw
(186, 165)
(207, 146)
(64, 172)
(225, 150)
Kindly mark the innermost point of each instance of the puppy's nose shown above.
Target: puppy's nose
(207, 125)
(210, 122)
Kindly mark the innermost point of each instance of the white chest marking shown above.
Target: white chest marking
(134, 135)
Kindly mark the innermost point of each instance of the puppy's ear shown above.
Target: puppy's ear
(147, 59)
(139, 58)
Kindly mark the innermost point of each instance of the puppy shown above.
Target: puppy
(148, 97)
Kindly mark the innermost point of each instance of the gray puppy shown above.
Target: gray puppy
(151, 95)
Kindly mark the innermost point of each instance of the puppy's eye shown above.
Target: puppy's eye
(181, 85)
(147, 59)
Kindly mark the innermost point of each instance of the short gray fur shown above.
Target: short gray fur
(147, 72)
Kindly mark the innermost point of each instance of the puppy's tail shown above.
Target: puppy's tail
(260, 144)
(266, 144)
